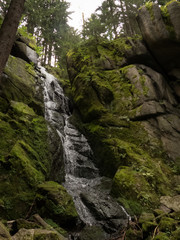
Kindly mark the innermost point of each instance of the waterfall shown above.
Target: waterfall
(90, 191)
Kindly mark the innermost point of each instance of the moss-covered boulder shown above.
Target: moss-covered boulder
(24, 157)
(37, 234)
(92, 233)
(54, 202)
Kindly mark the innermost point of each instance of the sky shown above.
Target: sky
(82, 6)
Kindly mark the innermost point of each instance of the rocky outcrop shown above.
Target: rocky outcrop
(127, 94)
(54, 202)
(24, 48)
(25, 154)
(160, 30)
(24, 52)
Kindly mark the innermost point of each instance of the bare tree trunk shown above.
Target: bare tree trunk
(8, 30)
(45, 53)
(49, 54)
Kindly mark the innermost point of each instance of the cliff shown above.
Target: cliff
(127, 95)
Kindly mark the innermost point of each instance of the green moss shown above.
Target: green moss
(133, 207)
(167, 20)
(19, 85)
(21, 108)
(23, 165)
(55, 202)
(161, 236)
(176, 234)
(133, 234)
(92, 233)
(30, 69)
(133, 185)
(149, 6)
(4, 232)
(24, 157)
(107, 101)
(56, 227)
(167, 224)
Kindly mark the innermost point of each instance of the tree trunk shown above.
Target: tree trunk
(49, 54)
(8, 30)
(45, 54)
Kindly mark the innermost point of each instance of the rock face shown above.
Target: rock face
(25, 155)
(160, 30)
(131, 112)
(55, 203)
(23, 51)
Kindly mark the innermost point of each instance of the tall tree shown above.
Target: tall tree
(8, 30)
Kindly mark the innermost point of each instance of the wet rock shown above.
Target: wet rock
(107, 210)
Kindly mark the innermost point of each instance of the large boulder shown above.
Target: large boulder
(24, 52)
(54, 202)
(160, 30)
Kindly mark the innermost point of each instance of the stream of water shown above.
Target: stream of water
(90, 191)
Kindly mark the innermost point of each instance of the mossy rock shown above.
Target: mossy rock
(92, 233)
(22, 223)
(55, 226)
(22, 163)
(133, 234)
(133, 185)
(161, 236)
(24, 159)
(176, 234)
(146, 217)
(86, 99)
(53, 201)
(4, 233)
(37, 234)
(18, 85)
(167, 224)
(21, 108)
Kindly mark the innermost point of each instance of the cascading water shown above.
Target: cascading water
(90, 192)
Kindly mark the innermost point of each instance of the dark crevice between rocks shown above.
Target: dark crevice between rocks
(147, 117)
